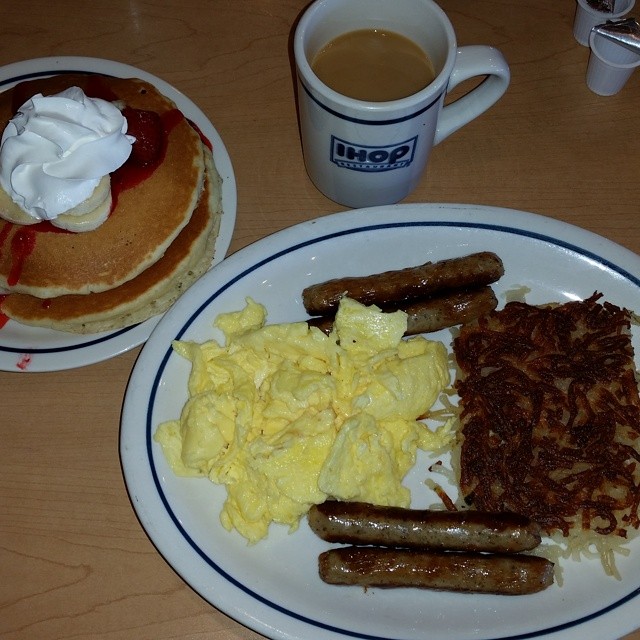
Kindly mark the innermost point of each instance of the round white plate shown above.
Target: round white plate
(273, 586)
(25, 348)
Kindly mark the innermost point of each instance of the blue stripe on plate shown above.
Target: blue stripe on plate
(72, 347)
(42, 74)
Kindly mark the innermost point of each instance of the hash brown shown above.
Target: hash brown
(550, 416)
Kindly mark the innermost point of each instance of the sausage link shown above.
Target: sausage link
(467, 572)
(433, 314)
(456, 308)
(391, 287)
(360, 523)
(324, 323)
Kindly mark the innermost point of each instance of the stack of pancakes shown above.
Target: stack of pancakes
(158, 239)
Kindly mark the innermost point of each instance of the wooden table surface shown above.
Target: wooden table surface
(74, 560)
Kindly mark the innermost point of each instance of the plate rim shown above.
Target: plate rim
(539, 226)
(83, 350)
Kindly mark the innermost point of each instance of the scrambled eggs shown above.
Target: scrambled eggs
(285, 416)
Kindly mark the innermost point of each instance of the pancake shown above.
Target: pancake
(150, 293)
(147, 216)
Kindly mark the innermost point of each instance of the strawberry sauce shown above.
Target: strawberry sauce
(22, 244)
(151, 131)
(3, 318)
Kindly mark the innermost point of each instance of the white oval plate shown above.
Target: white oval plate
(273, 586)
(25, 348)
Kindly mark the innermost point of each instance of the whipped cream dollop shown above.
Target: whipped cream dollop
(57, 149)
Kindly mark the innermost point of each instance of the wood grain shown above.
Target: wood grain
(74, 561)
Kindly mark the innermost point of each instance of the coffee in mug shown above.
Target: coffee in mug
(368, 152)
(373, 64)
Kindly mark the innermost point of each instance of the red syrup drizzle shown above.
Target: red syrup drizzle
(3, 318)
(149, 128)
(138, 168)
(22, 244)
(24, 361)
(4, 232)
(205, 141)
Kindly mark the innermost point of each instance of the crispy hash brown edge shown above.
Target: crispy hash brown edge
(571, 464)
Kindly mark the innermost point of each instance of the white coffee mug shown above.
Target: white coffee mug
(363, 154)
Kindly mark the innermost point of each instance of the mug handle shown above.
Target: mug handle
(472, 61)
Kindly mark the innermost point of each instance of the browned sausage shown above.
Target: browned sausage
(391, 287)
(458, 307)
(324, 323)
(433, 314)
(471, 572)
(361, 524)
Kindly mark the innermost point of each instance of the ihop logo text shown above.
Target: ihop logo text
(357, 157)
